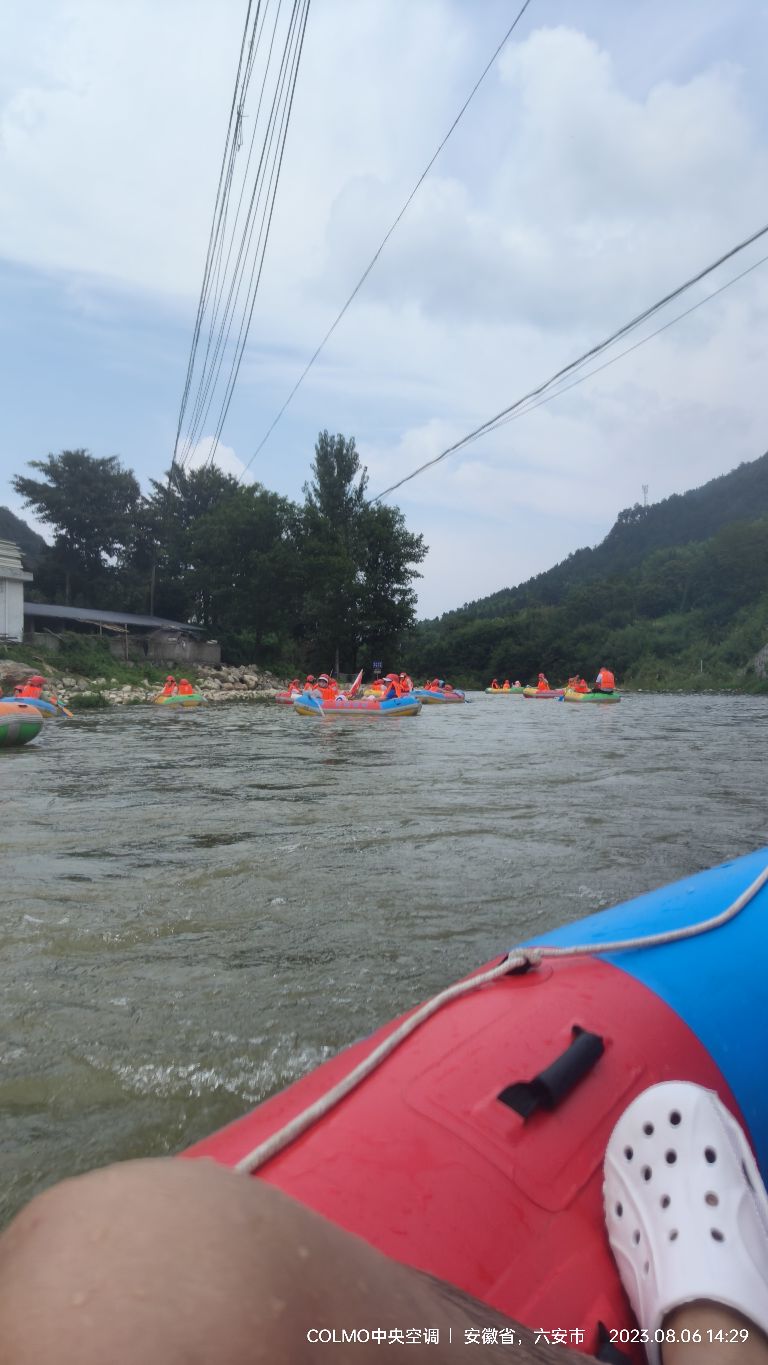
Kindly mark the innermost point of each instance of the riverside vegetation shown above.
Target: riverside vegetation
(675, 596)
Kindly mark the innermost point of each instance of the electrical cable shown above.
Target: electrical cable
(212, 365)
(525, 401)
(238, 242)
(386, 237)
(224, 178)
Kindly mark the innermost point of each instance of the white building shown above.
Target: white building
(12, 580)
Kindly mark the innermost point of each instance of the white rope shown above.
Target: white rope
(517, 957)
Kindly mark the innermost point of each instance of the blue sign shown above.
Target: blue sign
(377, 665)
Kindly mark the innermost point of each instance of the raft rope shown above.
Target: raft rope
(515, 958)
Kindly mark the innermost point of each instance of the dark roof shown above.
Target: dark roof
(112, 618)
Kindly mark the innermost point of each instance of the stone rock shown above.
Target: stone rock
(12, 673)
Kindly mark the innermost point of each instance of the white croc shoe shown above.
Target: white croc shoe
(686, 1210)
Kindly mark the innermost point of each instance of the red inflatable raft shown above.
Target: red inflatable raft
(475, 1151)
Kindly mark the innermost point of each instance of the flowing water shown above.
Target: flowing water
(199, 906)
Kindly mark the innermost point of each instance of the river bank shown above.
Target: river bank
(217, 683)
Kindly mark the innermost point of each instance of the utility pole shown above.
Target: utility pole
(645, 495)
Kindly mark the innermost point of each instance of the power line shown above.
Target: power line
(238, 243)
(225, 172)
(270, 156)
(386, 237)
(564, 388)
(526, 403)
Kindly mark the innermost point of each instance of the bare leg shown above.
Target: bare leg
(179, 1261)
(707, 1320)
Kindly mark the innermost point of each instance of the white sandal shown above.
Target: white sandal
(686, 1209)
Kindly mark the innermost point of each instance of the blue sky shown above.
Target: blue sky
(612, 151)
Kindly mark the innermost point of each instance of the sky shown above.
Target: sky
(612, 151)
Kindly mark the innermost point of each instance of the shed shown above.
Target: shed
(131, 636)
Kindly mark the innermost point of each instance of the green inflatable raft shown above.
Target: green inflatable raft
(601, 697)
(19, 723)
(183, 699)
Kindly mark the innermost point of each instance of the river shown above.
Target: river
(199, 906)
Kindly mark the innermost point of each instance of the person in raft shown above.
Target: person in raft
(605, 681)
(506, 685)
(185, 688)
(542, 685)
(393, 688)
(406, 683)
(325, 688)
(33, 687)
(189, 1262)
(170, 687)
(495, 685)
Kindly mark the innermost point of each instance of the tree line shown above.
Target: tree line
(327, 582)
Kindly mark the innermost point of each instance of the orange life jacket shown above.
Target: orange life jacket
(186, 689)
(326, 693)
(542, 685)
(168, 690)
(28, 690)
(580, 685)
(507, 686)
(607, 680)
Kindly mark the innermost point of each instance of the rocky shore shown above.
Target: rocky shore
(217, 683)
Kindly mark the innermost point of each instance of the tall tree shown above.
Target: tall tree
(359, 560)
(91, 504)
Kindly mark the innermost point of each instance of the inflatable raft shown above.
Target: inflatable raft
(286, 698)
(430, 698)
(545, 695)
(20, 722)
(307, 705)
(185, 699)
(505, 691)
(600, 697)
(474, 1150)
(45, 708)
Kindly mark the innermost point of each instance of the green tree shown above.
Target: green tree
(359, 561)
(92, 505)
(245, 575)
(171, 512)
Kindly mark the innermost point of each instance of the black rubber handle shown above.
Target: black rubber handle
(558, 1079)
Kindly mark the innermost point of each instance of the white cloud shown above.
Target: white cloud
(224, 459)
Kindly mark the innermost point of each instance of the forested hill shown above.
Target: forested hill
(29, 542)
(696, 515)
(675, 596)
